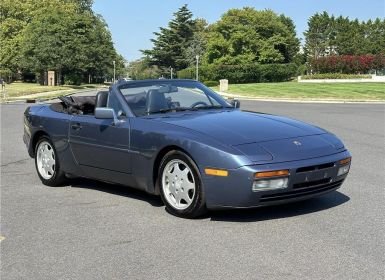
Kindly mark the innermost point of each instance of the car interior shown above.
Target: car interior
(147, 101)
(80, 105)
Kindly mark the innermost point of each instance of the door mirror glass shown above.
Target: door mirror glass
(107, 114)
(104, 113)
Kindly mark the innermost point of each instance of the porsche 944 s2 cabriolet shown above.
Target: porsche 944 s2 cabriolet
(182, 141)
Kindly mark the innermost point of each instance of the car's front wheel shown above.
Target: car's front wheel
(47, 163)
(181, 186)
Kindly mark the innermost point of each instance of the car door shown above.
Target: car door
(100, 143)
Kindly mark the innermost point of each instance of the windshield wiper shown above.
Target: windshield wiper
(178, 109)
(211, 107)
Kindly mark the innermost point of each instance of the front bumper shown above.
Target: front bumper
(307, 179)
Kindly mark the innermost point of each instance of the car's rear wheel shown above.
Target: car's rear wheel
(181, 186)
(47, 163)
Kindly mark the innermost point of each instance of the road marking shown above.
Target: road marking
(1, 238)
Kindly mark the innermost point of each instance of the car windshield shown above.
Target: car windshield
(163, 96)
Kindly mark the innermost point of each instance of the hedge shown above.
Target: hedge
(348, 64)
(335, 76)
(249, 73)
(211, 83)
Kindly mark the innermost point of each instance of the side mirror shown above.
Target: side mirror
(235, 103)
(107, 114)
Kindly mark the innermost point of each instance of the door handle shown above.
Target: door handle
(76, 126)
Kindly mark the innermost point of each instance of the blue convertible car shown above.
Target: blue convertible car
(182, 141)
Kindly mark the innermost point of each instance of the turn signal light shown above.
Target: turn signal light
(345, 161)
(275, 173)
(216, 172)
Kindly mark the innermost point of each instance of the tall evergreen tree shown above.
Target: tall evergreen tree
(319, 35)
(375, 34)
(171, 43)
(327, 35)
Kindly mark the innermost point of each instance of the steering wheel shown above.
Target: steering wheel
(198, 103)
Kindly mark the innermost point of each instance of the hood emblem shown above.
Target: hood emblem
(297, 143)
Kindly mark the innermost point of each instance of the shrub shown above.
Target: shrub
(7, 75)
(211, 83)
(187, 73)
(348, 64)
(335, 76)
(73, 79)
(302, 70)
(248, 73)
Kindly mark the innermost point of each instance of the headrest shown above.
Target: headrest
(101, 99)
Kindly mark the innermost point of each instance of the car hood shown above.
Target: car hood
(236, 127)
(262, 138)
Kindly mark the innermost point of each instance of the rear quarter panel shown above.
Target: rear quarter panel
(40, 120)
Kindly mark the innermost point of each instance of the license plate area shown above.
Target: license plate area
(313, 178)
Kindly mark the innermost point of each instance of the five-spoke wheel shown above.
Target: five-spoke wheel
(47, 164)
(45, 158)
(181, 187)
(178, 184)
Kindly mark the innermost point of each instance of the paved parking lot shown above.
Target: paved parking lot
(91, 230)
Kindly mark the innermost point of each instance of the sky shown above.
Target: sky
(132, 23)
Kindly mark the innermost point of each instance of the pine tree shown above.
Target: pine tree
(171, 43)
(318, 36)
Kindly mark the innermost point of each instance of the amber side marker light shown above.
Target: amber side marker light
(275, 173)
(216, 172)
(345, 160)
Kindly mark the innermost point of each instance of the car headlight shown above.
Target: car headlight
(270, 184)
(343, 170)
(345, 166)
(271, 180)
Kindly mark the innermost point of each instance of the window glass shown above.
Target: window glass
(157, 97)
(114, 103)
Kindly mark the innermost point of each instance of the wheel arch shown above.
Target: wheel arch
(36, 136)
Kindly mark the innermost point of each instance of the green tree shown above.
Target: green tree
(171, 43)
(248, 36)
(56, 40)
(66, 36)
(375, 34)
(141, 69)
(327, 35)
(14, 16)
(198, 43)
(350, 37)
(318, 36)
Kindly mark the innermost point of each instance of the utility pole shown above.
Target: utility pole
(197, 70)
(114, 71)
(171, 72)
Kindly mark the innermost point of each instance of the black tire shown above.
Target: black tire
(58, 177)
(198, 204)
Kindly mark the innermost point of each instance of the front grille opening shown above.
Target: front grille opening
(326, 165)
(315, 167)
(312, 183)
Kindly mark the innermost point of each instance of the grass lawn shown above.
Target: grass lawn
(20, 89)
(294, 90)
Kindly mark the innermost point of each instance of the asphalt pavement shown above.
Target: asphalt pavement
(92, 230)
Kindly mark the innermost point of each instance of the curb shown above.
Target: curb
(36, 100)
(288, 100)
